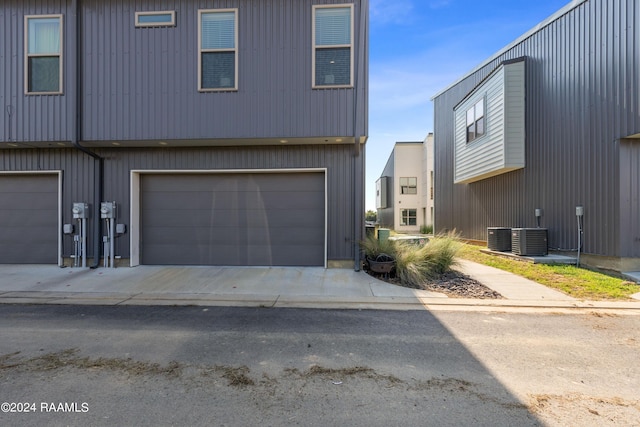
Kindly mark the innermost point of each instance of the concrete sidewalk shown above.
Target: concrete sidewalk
(268, 287)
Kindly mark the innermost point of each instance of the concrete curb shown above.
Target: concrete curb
(310, 301)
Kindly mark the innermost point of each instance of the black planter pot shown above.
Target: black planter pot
(383, 264)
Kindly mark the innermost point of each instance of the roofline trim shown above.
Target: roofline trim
(551, 19)
(490, 75)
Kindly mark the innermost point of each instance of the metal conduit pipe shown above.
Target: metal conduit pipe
(75, 94)
(358, 157)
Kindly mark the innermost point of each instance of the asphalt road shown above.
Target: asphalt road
(76, 365)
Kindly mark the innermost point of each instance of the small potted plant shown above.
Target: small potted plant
(379, 254)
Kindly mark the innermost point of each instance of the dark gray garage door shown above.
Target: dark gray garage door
(257, 219)
(28, 219)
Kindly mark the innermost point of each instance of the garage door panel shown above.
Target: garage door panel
(230, 255)
(35, 217)
(29, 219)
(35, 234)
(34, 200)
(231, 235)
(228, 217)
(233, 219)
(229, 182)
(206, 200)
(44, 183)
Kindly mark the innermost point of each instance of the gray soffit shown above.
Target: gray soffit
(226, 142)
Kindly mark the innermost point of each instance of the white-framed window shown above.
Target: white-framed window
(166, 18)
(217, 49)
(409, 185)
(408, 217)
(43, 54)
(332, 46)
(475, 121)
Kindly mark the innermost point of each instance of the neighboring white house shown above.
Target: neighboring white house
(404, 191)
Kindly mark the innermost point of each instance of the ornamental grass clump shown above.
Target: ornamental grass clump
(441, 251)
(417, 264)
(373, 247)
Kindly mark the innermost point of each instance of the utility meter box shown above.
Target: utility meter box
(107, 210)
(80, 210)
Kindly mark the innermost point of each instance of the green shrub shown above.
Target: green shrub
(426, 229)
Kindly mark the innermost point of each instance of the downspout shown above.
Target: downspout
(75, 93)
(358, 159)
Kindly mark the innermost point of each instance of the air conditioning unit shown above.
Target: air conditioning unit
(499, 239)
(529, 241)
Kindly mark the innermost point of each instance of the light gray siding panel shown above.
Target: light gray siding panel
(141, 83)
(33, 118)
(501, 149)
(582, 96)
(514, 114)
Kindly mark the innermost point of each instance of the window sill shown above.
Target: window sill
(229, 89)
(43, 93)
(333, 87)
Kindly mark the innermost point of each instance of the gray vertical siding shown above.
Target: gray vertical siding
(78, 171)
(386, 216)
(582, 96)
(141, 83)
(630, 197)
(34, 117)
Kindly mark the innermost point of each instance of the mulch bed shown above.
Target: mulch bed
(452, 283)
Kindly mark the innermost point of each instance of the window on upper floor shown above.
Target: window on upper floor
(475, 121)
(409, 185)
(43, 58)
(156, 19)
(218, 49)
(408, 217)
(332, 46)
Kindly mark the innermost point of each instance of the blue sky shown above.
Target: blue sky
(419, 47)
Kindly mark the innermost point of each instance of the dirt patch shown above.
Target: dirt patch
(69, 358)
(339, 374)
(585, 410)
(237, 376)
